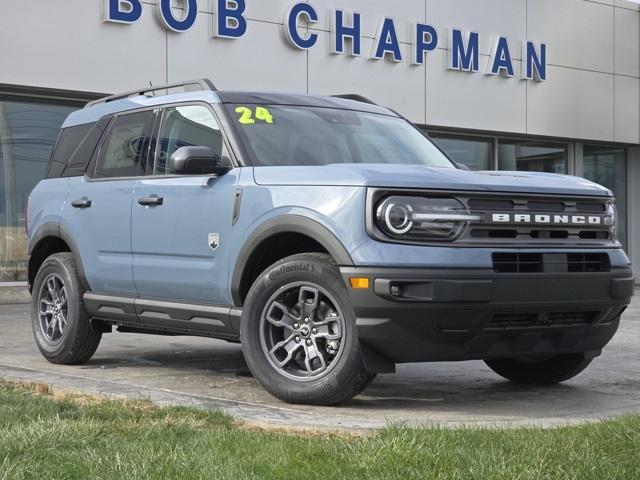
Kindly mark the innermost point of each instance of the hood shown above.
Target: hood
(414, 176)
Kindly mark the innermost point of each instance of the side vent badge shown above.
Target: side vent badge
(214, 240)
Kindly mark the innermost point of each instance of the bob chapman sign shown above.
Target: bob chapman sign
(463, 46)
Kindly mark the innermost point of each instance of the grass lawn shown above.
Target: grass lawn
(46, 437)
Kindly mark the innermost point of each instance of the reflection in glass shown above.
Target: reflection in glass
(28, 132)
(475, 153)
(607, 166)
(532, 156)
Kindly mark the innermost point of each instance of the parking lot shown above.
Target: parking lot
(212, 374)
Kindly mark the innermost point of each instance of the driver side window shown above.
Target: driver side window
(187, 126)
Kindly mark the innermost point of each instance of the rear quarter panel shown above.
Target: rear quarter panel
(46, 203)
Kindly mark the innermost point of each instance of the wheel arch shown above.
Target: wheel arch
(319, 236)
(51, 238)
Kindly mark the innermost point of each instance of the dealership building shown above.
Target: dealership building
(544, 85)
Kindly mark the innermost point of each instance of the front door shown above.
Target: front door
(182, 224)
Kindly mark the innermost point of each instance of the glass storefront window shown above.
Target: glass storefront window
(475, 153)
(28, 132)
(607, 166)
(532, 156)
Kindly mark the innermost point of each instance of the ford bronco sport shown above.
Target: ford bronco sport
(328, 235)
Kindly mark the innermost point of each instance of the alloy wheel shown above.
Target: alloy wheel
(301, 331)
(53, 309)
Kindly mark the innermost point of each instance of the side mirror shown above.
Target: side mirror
(462, 166)
(196, 161)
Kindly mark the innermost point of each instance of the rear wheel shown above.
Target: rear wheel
(60, 323)
(544, 371)
(298, 333)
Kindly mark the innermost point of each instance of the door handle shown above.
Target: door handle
(151, 201)
(84, 202)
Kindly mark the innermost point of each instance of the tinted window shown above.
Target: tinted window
(296, 135)
(532, 156)
(82, 156)
(185, 126)
(475, 153)
(123, 151)
(68, 142)
(608, 167)
(29, 129)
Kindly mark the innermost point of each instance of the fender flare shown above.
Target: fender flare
(56, 230)
(286, 224)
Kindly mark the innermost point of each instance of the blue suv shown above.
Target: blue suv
(328, 235)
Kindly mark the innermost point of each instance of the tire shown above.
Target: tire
(311, 365)
(72, 341)
(545, 371)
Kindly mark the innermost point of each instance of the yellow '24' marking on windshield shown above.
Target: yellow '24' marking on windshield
(249, 117)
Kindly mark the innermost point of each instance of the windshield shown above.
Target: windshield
(282, 135)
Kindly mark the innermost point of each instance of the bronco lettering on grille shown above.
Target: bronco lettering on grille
(546, 219)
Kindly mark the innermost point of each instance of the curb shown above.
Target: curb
(12, 295)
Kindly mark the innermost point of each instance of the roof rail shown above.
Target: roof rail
(355, 97)
(204, 84)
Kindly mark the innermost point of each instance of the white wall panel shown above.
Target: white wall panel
(78, 51)
(490, 18)
(572, 104)
(261, 60)
(627, 109)
(397, 85)
(474, 100)
(579, 33)
(627, 42)
(372, 12)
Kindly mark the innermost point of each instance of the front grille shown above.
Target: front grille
(516, 262)
(534, 320)
(558, 230)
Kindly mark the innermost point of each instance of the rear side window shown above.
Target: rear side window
(69, 141)
(123, 151)
(81, 158)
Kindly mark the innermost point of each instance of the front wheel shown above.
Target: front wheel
(543, 371)
(298, 333)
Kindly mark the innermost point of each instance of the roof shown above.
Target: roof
(95, 112)
(300, 99)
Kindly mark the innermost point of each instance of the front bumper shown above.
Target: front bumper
(417, 315)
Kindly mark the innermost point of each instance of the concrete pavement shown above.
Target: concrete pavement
(212, 374)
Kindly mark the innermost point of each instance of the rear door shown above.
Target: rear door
(181, 240)
(98, 211)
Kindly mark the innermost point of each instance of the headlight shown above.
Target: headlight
(612, 220)
(422, 218)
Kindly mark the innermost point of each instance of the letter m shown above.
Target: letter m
(464, 51)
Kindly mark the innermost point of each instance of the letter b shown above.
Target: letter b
(229, 21)
(122, 11)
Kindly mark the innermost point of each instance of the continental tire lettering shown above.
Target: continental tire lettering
(283, 270)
